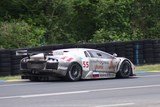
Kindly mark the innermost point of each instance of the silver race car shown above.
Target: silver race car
(74, 64)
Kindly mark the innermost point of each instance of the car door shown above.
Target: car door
(110, 62)
(100, 62)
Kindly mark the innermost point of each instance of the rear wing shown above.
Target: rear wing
(21, 53)
(29, 53)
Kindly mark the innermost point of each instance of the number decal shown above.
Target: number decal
(85, 64)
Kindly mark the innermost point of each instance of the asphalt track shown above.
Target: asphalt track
(140, 91)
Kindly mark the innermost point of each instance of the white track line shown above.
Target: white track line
(116, 105)
(79, 92)
(147, 76)
(54, 94)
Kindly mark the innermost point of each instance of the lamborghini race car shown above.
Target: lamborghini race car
(74, 64)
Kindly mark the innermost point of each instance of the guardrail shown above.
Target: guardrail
(139, 52)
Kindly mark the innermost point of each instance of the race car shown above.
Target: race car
(74, 64)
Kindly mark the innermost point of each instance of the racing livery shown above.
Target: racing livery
(74, 64)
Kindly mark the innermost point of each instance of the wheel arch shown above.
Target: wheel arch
(120, 63)
(76, 63)
(68, 76)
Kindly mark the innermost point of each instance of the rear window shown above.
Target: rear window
(59, 52)
(71, 52)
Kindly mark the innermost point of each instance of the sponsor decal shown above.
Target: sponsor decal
(69, 59)
(98, 67)
(100, 62)
(103, 75)
(64, 57)
(111, 65)
(95, 75)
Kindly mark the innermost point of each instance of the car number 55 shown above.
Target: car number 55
(85, 64)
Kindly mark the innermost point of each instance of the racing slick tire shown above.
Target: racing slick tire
(125, 70)
(74, 72)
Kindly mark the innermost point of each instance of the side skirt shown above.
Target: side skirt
(98, 75)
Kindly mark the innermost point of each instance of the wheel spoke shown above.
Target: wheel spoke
(74, 72)
(125, 70)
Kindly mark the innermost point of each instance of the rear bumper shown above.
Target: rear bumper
(27, 74)
(40, 76)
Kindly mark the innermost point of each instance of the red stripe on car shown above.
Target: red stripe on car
(69, 59)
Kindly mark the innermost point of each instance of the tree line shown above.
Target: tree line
(28, 23)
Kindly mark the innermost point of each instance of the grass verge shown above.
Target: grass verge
(8, 78)
(150, 68)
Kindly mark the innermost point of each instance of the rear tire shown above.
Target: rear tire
(125, 70)
(74, 72)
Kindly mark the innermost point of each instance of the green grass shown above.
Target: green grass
(150, 68)
(17, 77)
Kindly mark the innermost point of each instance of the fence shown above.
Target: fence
(139, 52)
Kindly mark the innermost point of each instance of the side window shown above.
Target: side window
(94, 54)
(86, 54)
(105, 55)
(97, 54)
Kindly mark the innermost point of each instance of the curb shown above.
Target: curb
(13, 80)
(145, 71)
(2, 81)
(153, 71)
(139, 71)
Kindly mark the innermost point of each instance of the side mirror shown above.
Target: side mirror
(115, 55)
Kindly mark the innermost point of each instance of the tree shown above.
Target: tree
(85, 21)
(71, 21)
(18, 34)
